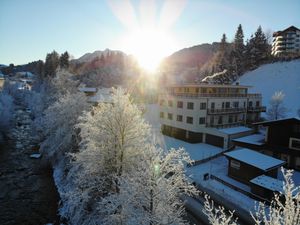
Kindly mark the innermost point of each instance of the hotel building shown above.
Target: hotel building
(209, 113)
(286, 42)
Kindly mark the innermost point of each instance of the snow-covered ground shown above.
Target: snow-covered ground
(197, 151)
(280, 76)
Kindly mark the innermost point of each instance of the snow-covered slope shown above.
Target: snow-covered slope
(280, 76)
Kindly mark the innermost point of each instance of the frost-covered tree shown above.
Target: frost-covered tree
(119, 176)
(277, 109)
(57, 126)
(153, 192)
(217, 215)
(282, 210)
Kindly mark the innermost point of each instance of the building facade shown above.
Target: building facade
(204, 112)
(286, 42)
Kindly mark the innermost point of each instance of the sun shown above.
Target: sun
(149, 46)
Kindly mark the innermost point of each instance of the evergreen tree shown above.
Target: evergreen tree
(237, 55)
(64, 60)
(51, 64)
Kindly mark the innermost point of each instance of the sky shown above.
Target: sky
(30, 29)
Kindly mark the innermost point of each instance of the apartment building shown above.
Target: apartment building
(286, 42)
(208, 113)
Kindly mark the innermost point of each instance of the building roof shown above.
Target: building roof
(254, 139)
(235, 130)
(291, 28)
(211, 85)
(87, 89)
(255, 159)
(103, 95)
(269, 183)
(270, 122)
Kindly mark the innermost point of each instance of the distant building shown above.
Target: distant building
(286, 42)
(89, 91)
(209, 113)
(245, 164)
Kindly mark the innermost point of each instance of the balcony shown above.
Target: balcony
(227, 125)
(225, 111)
(203, 95)
(257, 109)
(254, 95)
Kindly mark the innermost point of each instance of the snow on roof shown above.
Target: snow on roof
(255, 139)
(255, 159)
(102, 95)
(278, 121)
(87, 89)
(234, 130)
(268, 183)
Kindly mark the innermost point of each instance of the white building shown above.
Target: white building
(214, 114)
(286, 42)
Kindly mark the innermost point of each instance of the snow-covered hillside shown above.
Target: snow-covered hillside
(280, 76)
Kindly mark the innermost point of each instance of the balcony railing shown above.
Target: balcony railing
(226, 110)
(227, 125)
(211, 95)
(257, 109)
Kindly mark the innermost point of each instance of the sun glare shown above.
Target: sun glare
(148, 35)
(149, 46)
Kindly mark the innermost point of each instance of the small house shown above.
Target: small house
(245, 164)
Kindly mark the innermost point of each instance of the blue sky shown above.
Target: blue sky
(32, 28)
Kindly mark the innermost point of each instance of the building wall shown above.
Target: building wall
(286, 43)
(244, 172)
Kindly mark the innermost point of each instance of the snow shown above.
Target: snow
(235, 130)
(280, 76)
(35, 156)
(255, 139)
(254, 158)
(219, 167)
(268, 183)
(87, 89)
(197, 151)
(102, 95)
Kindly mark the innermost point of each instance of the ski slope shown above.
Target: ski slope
(280, 76)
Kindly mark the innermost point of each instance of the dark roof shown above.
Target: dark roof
(291, 28)
(271, 122)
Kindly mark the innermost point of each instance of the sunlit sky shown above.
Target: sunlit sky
(31, 28)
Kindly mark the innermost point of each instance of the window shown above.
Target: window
(244, 104)
(170, 116)
(161, 115)
(180, 104)
(235, 118)
(203, 105)
(223, 105)
(170, 103)
(230, 119)
(189, 119)
(235, 104)
(203, 90)
(212, 105)
(162, 102)
(202, 120)
(186, 90)
(197, 90)
(235, 164)
(257, 103)
(220, 120)
(250, 104)
(296, 128)
(190, 105)
(212, 121)
(227, 105)
(294, 143)
(179, 118)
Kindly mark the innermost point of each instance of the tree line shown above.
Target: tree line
(239, 56)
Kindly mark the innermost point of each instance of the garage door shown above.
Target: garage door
(214, 140)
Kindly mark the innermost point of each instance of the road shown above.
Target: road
(27, 191)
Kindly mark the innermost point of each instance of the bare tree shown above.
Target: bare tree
(277, 110)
